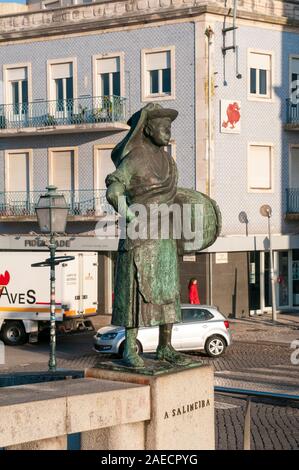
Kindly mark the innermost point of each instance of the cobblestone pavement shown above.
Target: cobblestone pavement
(239, 356)
(273, 426)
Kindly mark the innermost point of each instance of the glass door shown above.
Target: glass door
(283, 279)
(254, 282)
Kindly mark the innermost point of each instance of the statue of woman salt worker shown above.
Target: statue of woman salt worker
(147, 288)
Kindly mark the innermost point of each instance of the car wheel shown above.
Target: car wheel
(122, 347)
(13, 333)
(215, 346)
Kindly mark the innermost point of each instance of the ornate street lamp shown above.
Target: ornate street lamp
(52, 211)
(266, 211)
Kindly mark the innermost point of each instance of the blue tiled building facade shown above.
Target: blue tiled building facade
(236, 136)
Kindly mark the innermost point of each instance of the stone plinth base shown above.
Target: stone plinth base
(182, 403)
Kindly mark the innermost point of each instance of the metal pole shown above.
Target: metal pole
(273, 296)
(52, 359)
(209, 33)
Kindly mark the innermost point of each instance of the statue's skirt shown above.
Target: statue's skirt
(147, 285)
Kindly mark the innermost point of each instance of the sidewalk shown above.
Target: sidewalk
(261, 329)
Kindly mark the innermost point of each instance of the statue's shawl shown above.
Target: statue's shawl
(133, 137)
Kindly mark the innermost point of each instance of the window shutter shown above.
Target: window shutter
(295, 65)
(62, 70)
(63, 169)
(105, 166)
(259, 167)
(19, 73)
(259, 61)
(18, 177)
(158, 60)
(109, 65)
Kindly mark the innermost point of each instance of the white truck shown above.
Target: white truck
(25, 294)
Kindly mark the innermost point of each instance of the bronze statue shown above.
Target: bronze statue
(147, 288)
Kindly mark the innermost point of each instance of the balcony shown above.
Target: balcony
(292, 122)
(84, 205)
(84, 114)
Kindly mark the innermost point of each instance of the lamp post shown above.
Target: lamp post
(266, 211)
(51, 211)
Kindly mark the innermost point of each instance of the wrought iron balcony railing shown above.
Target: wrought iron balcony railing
(292, 112)
(292, 200)
(83, 110)
(82, 203)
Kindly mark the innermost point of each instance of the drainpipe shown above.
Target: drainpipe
(209, 34)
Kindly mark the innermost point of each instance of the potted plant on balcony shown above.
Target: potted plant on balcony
(50, 120)
(104, 112)
(80, 117)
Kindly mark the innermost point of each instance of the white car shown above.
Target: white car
(202, 328)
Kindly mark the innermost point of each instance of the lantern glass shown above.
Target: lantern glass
(52, 212)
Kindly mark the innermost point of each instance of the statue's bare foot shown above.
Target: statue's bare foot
(169, 354)
(133, 360)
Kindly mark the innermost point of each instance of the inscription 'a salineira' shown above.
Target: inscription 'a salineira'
(197, 405)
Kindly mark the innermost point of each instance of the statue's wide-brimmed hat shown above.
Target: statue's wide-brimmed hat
(137, 122)
(155, 111)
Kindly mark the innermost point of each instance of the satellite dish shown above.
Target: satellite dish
(266, 210)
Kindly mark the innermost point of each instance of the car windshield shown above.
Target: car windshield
(190, 315)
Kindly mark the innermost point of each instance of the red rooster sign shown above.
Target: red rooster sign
(4, 280)
(233, 115)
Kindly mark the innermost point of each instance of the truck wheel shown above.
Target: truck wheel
(13, 333)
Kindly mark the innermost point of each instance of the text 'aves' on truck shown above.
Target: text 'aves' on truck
(25, 294)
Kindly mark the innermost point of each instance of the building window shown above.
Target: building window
(62, 84)
(158, 74)
(260, 167)
(17, 90)
(103, 165)
(294, 85)
(18, 173)
(260, 71)
(61, 88)
(63, 169)
(108, 76)
(49, 4)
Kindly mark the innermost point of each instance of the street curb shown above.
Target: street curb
(266, 342)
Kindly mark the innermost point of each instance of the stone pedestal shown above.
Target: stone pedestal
(182, 404)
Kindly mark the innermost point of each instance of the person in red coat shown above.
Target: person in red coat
(193, 292)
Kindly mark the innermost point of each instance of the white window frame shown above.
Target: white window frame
(6, 68)
(145, 96)
(291, 57)
(111, 55)
(67, 60)
(7, 153)
(272, 172)
(47, 3)
(291, 147)
(270, 86)
(52, 150)
(96, 148)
